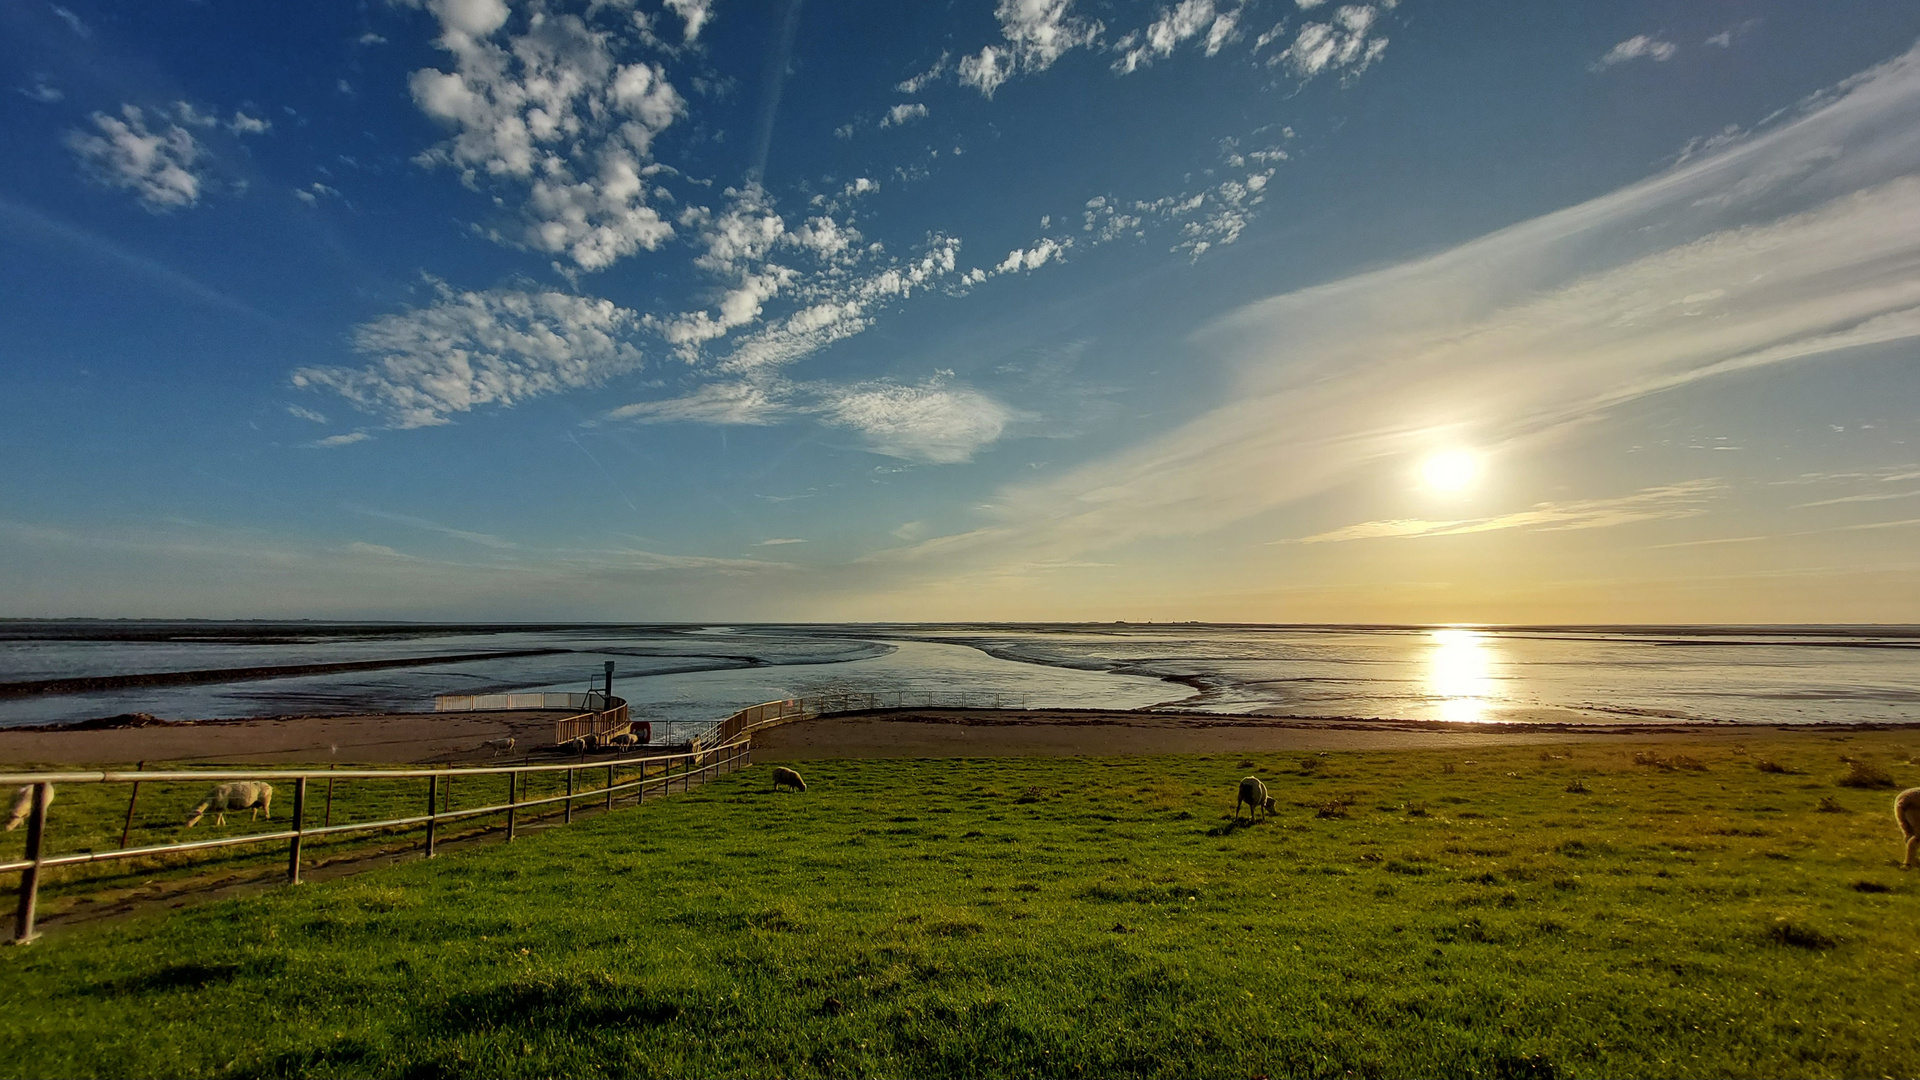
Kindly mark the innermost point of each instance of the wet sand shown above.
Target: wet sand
(911, 733)
(379, 738)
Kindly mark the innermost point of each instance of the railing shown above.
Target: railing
(701, 764)
(603, 716)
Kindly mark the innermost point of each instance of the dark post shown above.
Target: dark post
(30, 877)
(609, 787)
(609, 684)
(568, 820)
(328, 819)
(299, 823)
(512, 797)
(433, 810)
(126, 830)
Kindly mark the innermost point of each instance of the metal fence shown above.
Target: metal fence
(695, 765)
(490, 702)
(771, 713)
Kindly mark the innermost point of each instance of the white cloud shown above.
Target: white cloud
(695, 13)
(162, 168)
(931, 422)
(738, 403)
(314, 192)
(1794, 243)
(860, 186)
(469, 349)
(902, 114)
(242, 124)
(1640, 46)
(928, 77)
(371, 38)
(778, 541)
(42, 91)
(1036, 32)
(1342, 42)
(1188, 19)
(1664, 503)
(553, 109)
(306, 414)
(332, 441)
(1042, 252)
(73, 21)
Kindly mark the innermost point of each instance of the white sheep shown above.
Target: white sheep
(1254, 794)
(23, 805)
(623, 740)
(1906, 810)
(784, 775)
(499, 746)
(240, 795)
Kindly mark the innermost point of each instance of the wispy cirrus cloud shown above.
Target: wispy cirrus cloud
(1663, 503)
(1786, 245)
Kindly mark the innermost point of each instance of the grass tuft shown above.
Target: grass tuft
(1864, 774)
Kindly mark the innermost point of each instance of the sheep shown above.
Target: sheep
(1906, 810)
(1254, 794)
(23, 805)
(499, 746)
(240, 795)
(623, 740)
(784, 775)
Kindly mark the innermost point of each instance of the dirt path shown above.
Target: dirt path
(379, 738)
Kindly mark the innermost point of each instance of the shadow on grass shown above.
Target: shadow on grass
(1228, 828)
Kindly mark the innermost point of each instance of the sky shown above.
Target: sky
(1023, 310)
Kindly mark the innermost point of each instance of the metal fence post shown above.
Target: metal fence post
(512, 797)
(328, 819)
(433, 811)
(30, 877)
(568, 820)
(609, 787)
(299, 823)
(126, 829)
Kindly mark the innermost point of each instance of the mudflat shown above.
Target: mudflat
(918, 733)
(366, 738)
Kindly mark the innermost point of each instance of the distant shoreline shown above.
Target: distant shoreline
(94, 683)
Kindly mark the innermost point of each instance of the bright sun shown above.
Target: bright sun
(1450, 471)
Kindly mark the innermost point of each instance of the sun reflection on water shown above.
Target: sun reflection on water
(1460, 674)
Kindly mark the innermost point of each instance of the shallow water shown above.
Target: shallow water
(686, 676)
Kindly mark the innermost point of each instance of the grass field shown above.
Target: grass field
(1525, 913)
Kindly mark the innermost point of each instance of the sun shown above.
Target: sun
(1451, 471)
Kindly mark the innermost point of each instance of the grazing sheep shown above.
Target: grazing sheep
(624, 740)
(23, 805)
(1906, 810)
(240, 795)
(499, 746)
(1254, 794)
(784, 775)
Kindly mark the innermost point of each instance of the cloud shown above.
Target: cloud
(1790, 244)
(306, 414)
(314, 192)
(371, 38)
(469, 349)
(780, 540)
(162, 168)
(1873, 497)
(931, 422)
(1640, 46)
(479, 539)
(42, 91)
(903, 114)
(1342, 42)
(860, 186)
(332, 441)
(553, 110)
(1036, 33)
(715, 403)
(242, 124)
(1042, 252)
(928, 77)
(1188, 19)
(73, 21)
(1663, 503)
(694, 13)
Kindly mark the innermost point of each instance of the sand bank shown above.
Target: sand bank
(378, 738)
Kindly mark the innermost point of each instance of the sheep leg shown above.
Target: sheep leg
(1913, 843)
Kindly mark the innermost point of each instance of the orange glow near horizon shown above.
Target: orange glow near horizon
(1460, 674)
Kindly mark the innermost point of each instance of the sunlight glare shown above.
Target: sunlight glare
(1460, 675)
(1450, 471)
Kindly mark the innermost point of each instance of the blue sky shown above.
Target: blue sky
(1024, 310)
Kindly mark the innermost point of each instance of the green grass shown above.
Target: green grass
(1077, 917)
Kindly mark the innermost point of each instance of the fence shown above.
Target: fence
(694, 765)
(724, 747)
